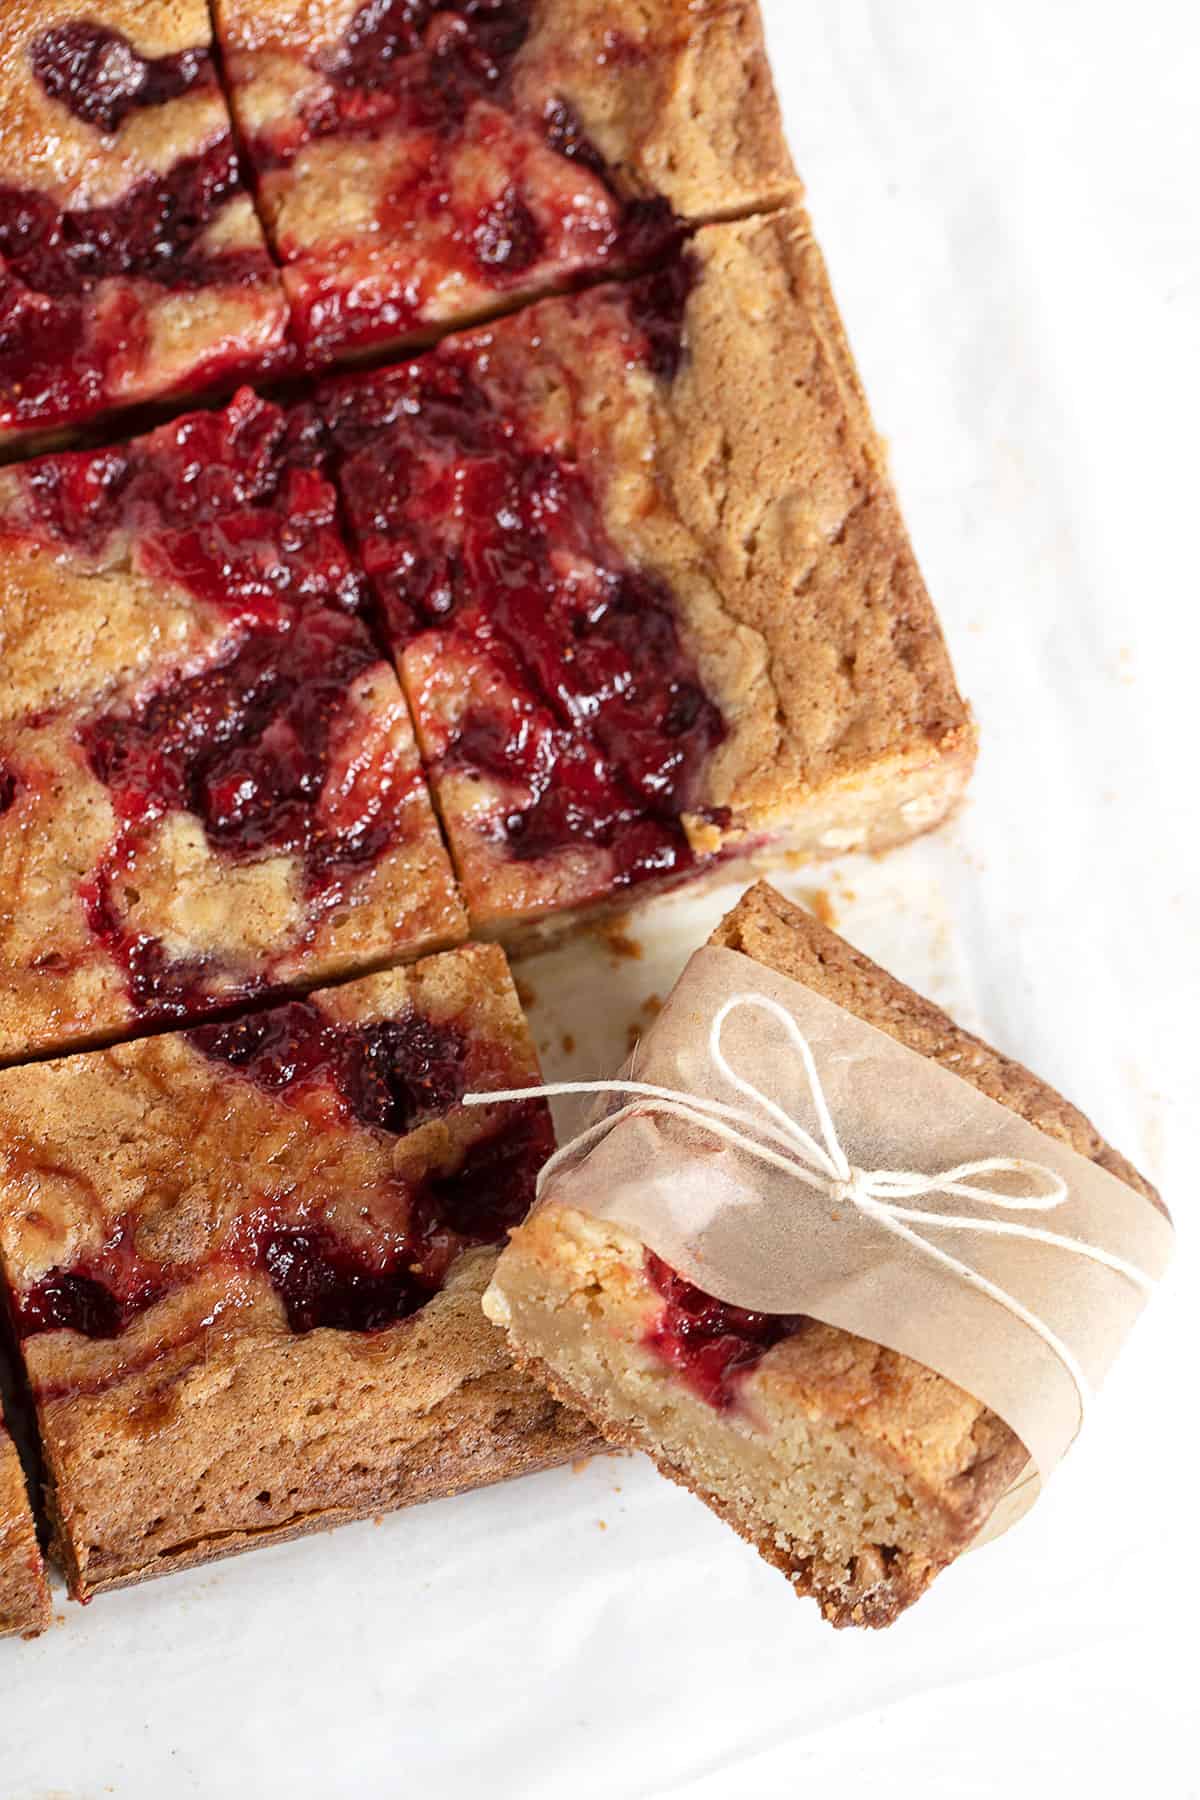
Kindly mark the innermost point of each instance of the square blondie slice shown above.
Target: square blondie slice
(24, 1595)
(132, 265)
(653, 602)
(209, 786)
(858, 1472)
(245, 1266)
(420, 166)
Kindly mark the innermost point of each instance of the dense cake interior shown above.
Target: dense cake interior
(774, 1423)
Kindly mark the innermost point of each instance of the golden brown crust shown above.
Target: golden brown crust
(208, 1422)
(680, 99)
(765, 452)
(24, 1595)
(418, 1417)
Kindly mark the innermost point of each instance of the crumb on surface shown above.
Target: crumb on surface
(819, 902)
(652, 1005)
(568, 1044)
(525, 994)
(580, 1463)
(617, 940)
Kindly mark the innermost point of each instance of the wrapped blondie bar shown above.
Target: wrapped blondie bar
(843, 1270)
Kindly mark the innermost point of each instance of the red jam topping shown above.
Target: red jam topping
(244, 746)
(229, 506)
(475, 191)
(99, 76)
(391, 1074)
(388, 1075)
(63, 323)
(98, 1296)
(152, 232)
(711, 1345)
(323, 1281)
(325, 1284)
(423, 59)
(468, 525)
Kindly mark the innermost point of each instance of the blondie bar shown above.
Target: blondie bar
(857, 1471)
(651, 597)
(421, 165)
(245, 1266)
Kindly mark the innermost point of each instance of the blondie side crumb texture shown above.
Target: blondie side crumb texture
(132, 265)
(652, 599)
(24, 1595)
(858, 1472)
(209, 785)
(420, 165)
(245, 1266)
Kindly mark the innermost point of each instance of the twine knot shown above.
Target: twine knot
(768, 1133)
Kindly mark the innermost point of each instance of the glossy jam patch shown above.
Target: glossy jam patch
(484, 530)
(477, 189)
(710, 1345)
(386, 1076)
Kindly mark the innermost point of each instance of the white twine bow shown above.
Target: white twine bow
(824, 1167)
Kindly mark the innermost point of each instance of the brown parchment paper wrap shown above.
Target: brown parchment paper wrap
(757, 1238)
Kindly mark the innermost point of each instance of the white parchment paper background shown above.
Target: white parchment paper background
(1007, 198)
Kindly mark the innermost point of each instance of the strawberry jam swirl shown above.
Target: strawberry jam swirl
(229, 507)
(75, 283)
(386, 1077)
(712, 1346)
(480, 186)
(485, 535)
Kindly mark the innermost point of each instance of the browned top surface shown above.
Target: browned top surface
(92, 628)
(50, 148)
